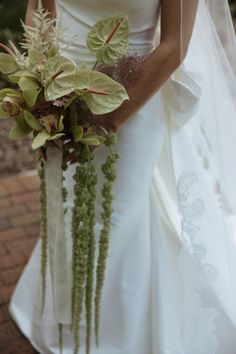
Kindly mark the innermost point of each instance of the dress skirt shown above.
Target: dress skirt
(136, 239)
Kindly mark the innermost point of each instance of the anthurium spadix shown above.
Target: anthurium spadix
(101, 93)
(108, 38)
(58, 75)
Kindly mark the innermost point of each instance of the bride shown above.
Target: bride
(170, 285)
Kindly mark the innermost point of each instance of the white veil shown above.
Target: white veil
(195, 178)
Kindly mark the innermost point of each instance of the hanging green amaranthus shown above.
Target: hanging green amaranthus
(83, 236)
(80, 232)
(110, 175)
(92, 182)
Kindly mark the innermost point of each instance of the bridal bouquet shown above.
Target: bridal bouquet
(52, 99)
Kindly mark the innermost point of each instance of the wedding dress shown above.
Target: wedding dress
(170, 283)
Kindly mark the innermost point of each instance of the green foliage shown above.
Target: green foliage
(30, 89)
(32, 121)
(8, 65)
(42, 137)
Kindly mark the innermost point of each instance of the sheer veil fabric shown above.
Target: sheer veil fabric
(195, 177)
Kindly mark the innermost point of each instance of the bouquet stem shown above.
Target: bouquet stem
(43, 230)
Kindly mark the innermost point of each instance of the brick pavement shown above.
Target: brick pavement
(19, 229)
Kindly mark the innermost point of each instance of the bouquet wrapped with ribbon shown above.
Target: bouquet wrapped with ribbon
(52, 99)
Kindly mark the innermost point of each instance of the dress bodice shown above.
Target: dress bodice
(79, 15)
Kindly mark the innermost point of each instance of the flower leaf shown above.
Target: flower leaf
(3, 114)
(56, 136)
(30, 88)
(20, 130)
(90, 141)
(77, 132)
(22, 73)
(8, 65)
(108, 38)
(8, 92)
(88, 82)
(32, 121)
(60, 124)
(34, 56)
(95, 136)
(40, 139)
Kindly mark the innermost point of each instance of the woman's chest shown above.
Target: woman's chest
(142, 13)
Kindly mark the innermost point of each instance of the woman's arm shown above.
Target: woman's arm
(161, 62)
(32, 6)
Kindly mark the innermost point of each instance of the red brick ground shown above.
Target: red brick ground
(19, 229)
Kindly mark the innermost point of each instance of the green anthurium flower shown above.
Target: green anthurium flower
(32, 121)
(30, 89)
(58, 75)
(108, 38)
(101, 93)
(8, 65)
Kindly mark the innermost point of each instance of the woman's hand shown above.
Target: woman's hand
(176, 15)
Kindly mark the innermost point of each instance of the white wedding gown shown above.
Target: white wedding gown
(158, 297)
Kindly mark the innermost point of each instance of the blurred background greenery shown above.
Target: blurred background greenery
(233, 7)
(11, 11)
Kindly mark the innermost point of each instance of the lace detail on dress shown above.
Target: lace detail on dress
(198, 335)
